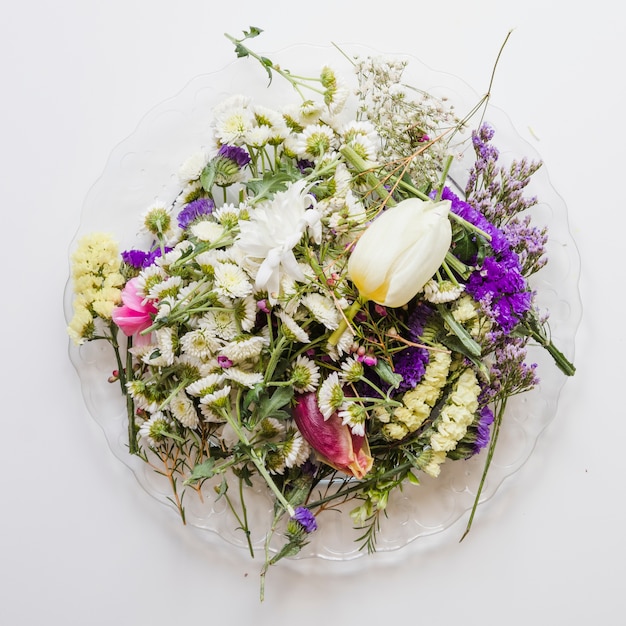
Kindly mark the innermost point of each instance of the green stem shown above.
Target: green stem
(355, 307)
(497, 422)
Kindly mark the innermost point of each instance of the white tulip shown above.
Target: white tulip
(400, 251)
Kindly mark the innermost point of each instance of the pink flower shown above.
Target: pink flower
(334, 442)
(136, 313)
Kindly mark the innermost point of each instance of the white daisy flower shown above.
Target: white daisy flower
(243, 377)
(244, 348)
(199, 343)
(343, 345)
(220, 322)
(245, 313)
(351, 370)
(258, 136)
(315, 142)
(296, 450)
(183, 410)
(291, 330)
(231, 281)
(330, 396)
(305, 375)
(205, 386)
(233, 120)
(192, 167)
(168, 287)
(323, 309)
(207, 230)
(218, 399)
(354, 415)
(164, 353)
(155, 430)
(439, 292)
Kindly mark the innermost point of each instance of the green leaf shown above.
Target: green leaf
(383, 369)
(270, 405)
(266, 187)
(207, 178)
(201, 471)
(253, 32)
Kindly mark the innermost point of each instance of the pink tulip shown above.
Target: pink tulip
(334, 442)
(136, 313)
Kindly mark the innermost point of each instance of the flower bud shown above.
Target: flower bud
(334, 442)
(400, 251)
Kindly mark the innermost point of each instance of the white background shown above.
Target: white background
(80, 542)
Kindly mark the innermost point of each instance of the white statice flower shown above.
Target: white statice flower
(292, 331)
(275, 227)
(323, 309)
(330, 395)
(207, 230)
(183, 409)
(244, 348)
(305, 375)
(232, 120)
(442, 291)
(192, 167)
(231, 281)
(220, 322)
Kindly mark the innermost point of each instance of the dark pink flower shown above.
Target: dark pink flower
(333, 441)
(135, 314)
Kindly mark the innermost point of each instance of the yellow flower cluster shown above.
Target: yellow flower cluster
(97, 280)
(419, 402)
(456, 416)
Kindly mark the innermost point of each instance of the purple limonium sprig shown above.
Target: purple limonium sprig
(139, 259)
(194, 210)
(483, 429)
(305, 518)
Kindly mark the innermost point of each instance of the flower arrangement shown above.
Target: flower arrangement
(321, 307)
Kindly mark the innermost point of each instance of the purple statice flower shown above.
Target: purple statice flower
(499, 284)
(305, 518)
(483, 428)
(238, 155)
(411, 362)
(194, 210)
(140, 259)
(135, 258)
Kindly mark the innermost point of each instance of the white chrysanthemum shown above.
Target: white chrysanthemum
(220, 322)
(296, 450)
(218, 399)
(157, 220)
(192, 167)
(227, 215)
(199, 343)
(139, 392)
(244, 348)
(205, 386)
(257, 136)
(270, 428)
(275, 227)
(441, 291)
(331, 396)
(353, 415)
(148, 277)
(231, 281)
(232, 120)
(351, 370)
(305, 375)
(343, 345)
(183, 410)
(323, 309)
(315, 142)
(291, 330)
(168, 287)
(243, 377)
(163, 355)
(245, 313)
(207, 230)
(155, 430)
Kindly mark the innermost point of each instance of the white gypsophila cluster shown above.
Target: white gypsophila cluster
(409, 122)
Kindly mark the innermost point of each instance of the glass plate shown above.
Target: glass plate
(143, 168)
